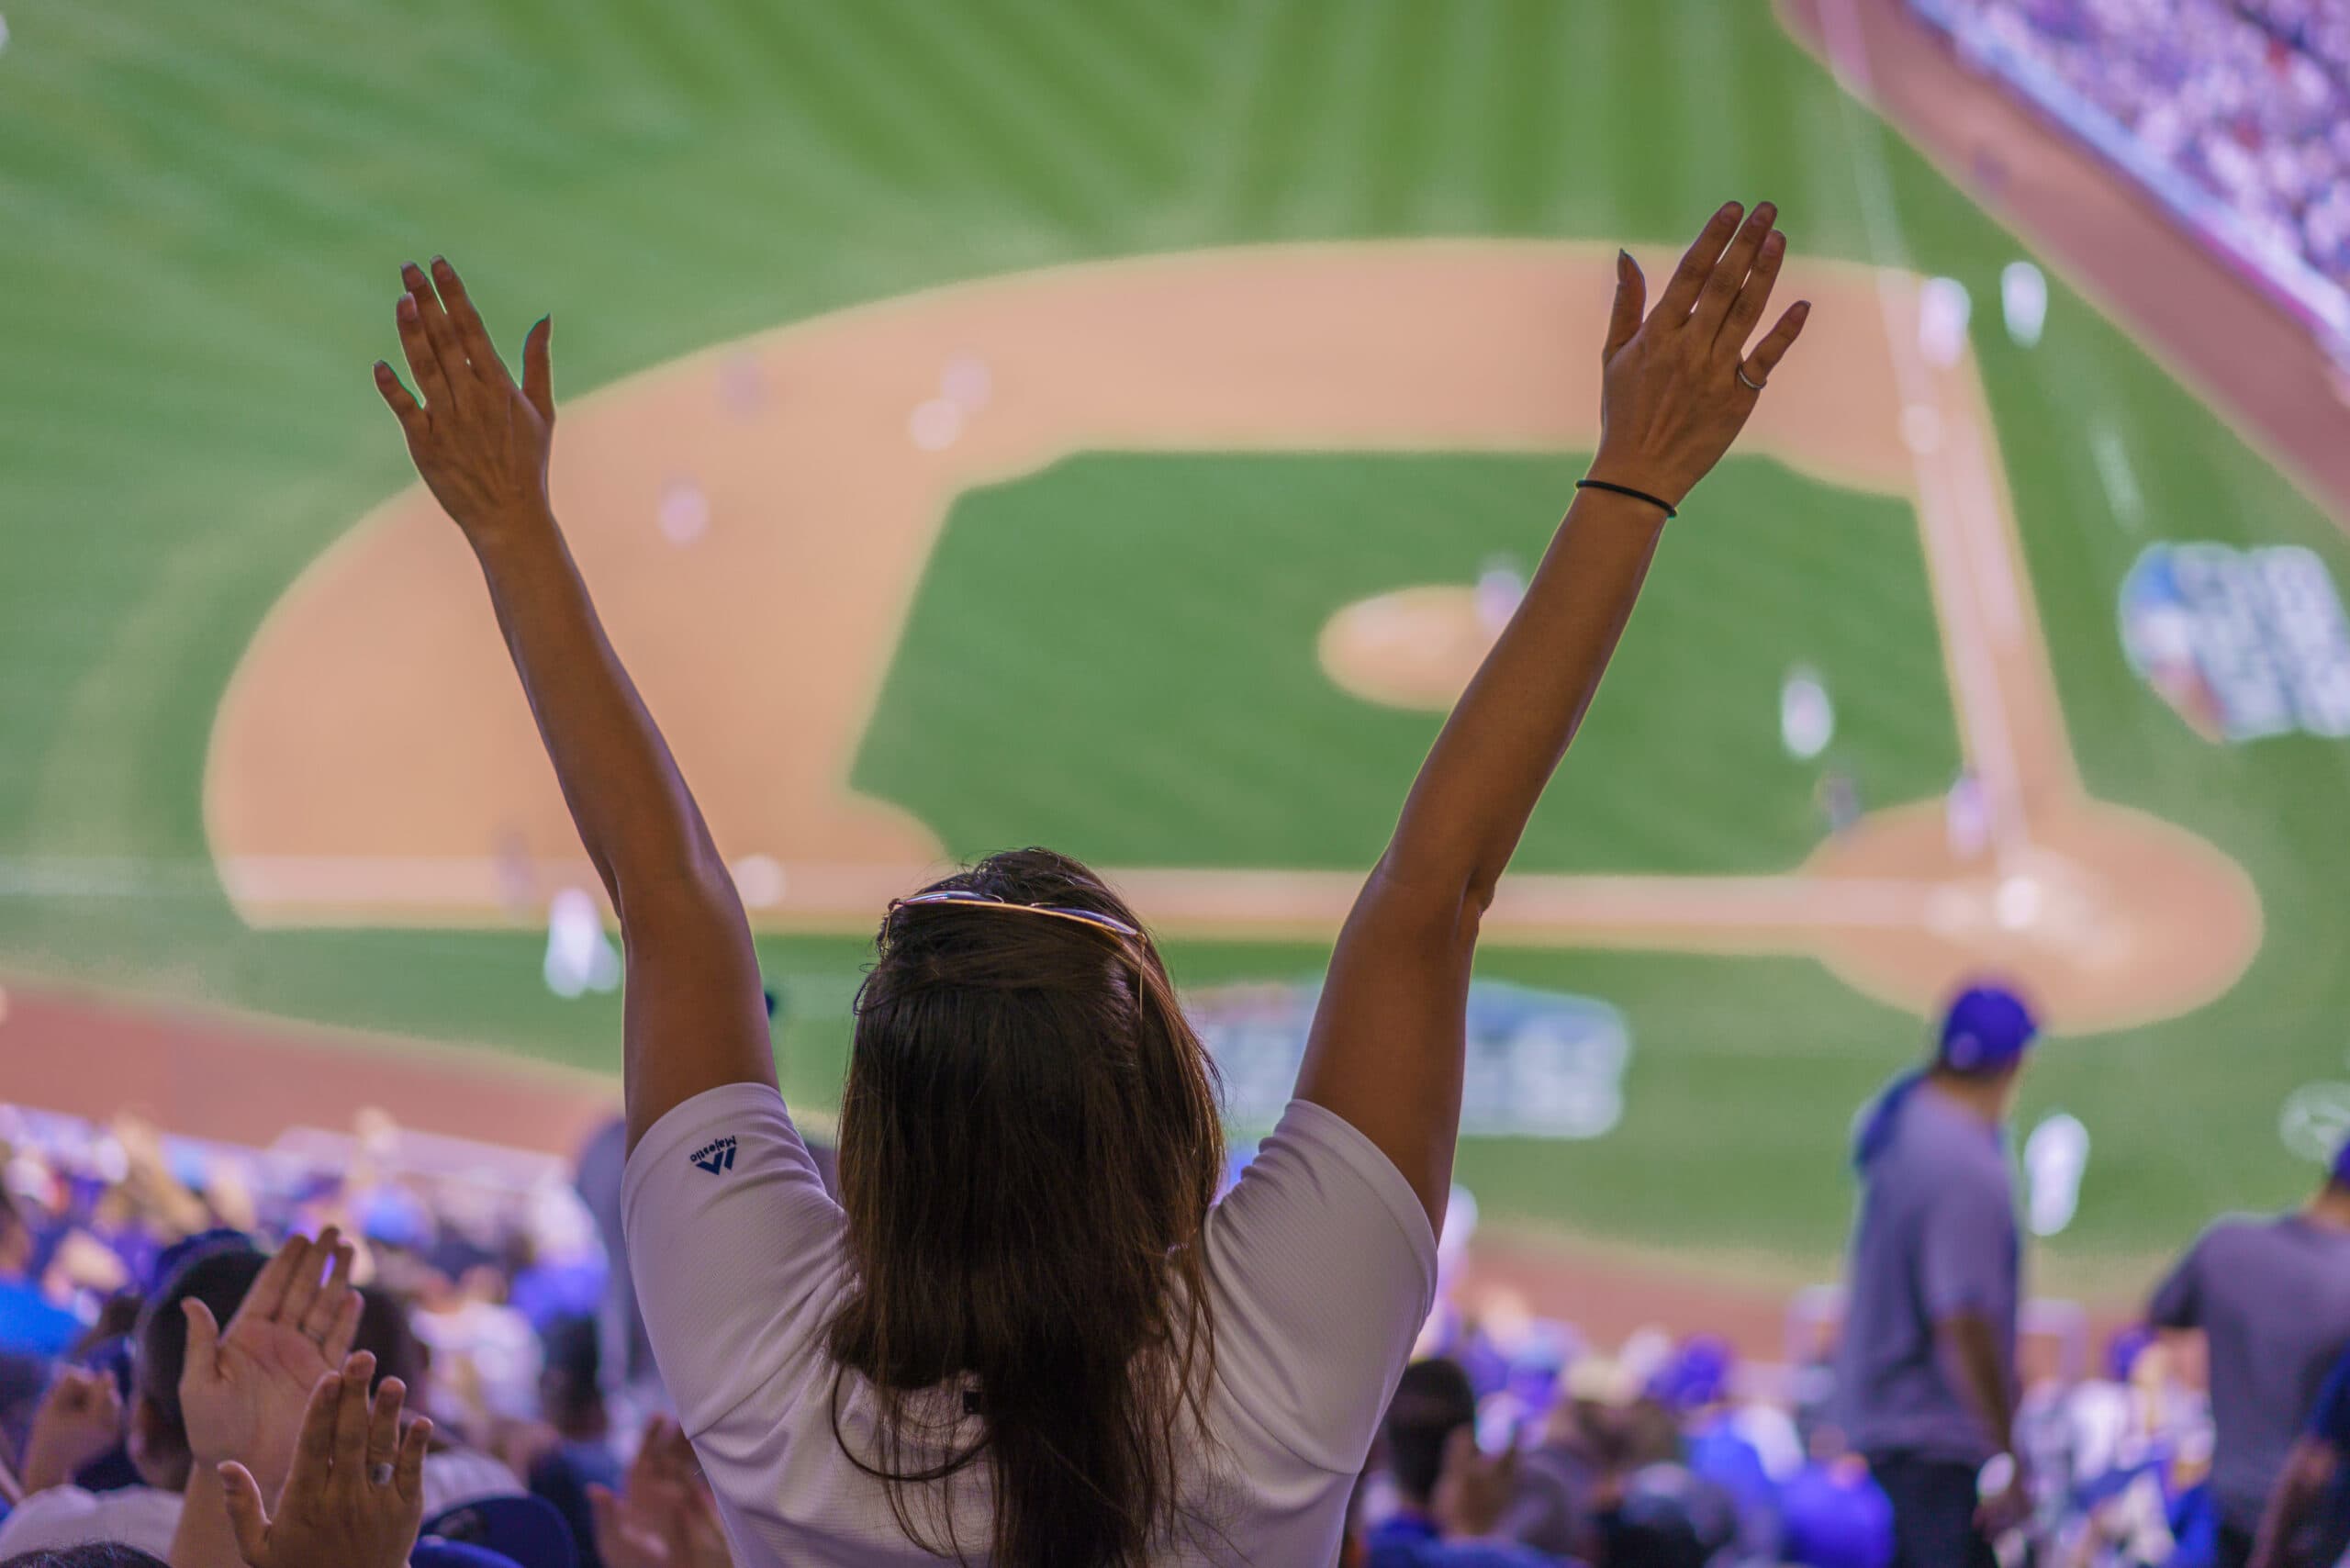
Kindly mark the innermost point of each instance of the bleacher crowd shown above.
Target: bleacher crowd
(489, 1293)
(2249, 99)
(1030, 1316)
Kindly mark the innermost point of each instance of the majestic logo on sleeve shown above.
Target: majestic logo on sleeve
(715, 1156)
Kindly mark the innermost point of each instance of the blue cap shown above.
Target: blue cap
(1987, 1030)
(530, 1530)
(1697, 1376)
(2342, 1163)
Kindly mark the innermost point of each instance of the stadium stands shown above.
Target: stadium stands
(2235, 113)
(1627, 1453)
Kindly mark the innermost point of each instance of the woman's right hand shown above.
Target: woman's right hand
(1672, 398)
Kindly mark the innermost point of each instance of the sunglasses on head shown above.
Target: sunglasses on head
(1094, 918)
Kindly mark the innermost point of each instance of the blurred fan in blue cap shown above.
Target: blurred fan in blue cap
(1926, 1364)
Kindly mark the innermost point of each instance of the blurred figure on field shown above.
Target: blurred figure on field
(2272, 1298)
(1926, 1367)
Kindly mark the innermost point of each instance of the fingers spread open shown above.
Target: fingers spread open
(538, 371)
(1747, 309)
(314, 1448)
(1730, 277)
(203, 1336)
(423, 358)
(327, 1304)
(351, 1417)
(1631, 299)
(403, 404)
(480, 351)
(246, 1515)
(447, 345)
(1697, 263)
(384, 1424)
(302, 1290)
(408, 1470)
(336, 1342)
(268, 1293)
(1774, 347)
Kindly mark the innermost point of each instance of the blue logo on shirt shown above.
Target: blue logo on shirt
(716, 1155)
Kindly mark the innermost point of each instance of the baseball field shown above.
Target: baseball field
(1105, 425)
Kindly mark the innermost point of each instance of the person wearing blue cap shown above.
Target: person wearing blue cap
(1926, 1365)
(2271, 1294)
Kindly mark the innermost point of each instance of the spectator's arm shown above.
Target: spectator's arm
(1977, 1369)
(1385, 1052)
(2308, 1472)
(696, 1017)
(204, 1537)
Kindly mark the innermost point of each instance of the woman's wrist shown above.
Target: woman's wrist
(1621, 473)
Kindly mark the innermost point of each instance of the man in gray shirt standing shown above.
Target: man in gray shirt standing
(1926, 1365)
(2271, 1297)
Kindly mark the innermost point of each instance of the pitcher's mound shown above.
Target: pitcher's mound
(1414, 648)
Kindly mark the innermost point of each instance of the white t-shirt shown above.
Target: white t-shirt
(1321, 1261)
(143, 1517)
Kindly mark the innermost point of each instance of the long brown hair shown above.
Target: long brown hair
(1029, 1146)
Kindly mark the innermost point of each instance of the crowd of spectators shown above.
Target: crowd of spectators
(487, 1294)
(2247, 99)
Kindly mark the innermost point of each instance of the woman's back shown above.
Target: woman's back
(1029, 1134)
(1321, 1266)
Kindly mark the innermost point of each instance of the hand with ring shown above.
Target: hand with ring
(1678, 382)
(244, 1389)
(355, 1493)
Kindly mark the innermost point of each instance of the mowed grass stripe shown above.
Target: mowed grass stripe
(1141, 118)
(1263, 124)
(1396, 150)
(973, 98)
(1525, 145)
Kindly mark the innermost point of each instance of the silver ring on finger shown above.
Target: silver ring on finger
(1749, 382)
(381, 1475)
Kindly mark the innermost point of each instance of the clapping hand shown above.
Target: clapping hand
(1678, 384)
(355, 1496)
(665, 1517)
(79, 1420)
(480, 442)
(243, 1390)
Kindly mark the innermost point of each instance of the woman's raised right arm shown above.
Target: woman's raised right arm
(696, 1015)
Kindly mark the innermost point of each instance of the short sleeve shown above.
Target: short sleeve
(2177, 1301)
(2330, 1421)
(1967, 1254)
(51, 1520)
(735, 1247)
(1323, 1266)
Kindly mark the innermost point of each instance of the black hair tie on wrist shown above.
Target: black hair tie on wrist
(1658, 502)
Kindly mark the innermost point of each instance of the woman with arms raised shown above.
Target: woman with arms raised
(1029, 1335)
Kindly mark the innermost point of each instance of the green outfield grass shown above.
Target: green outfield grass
(205, 208)
(1173, 602)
